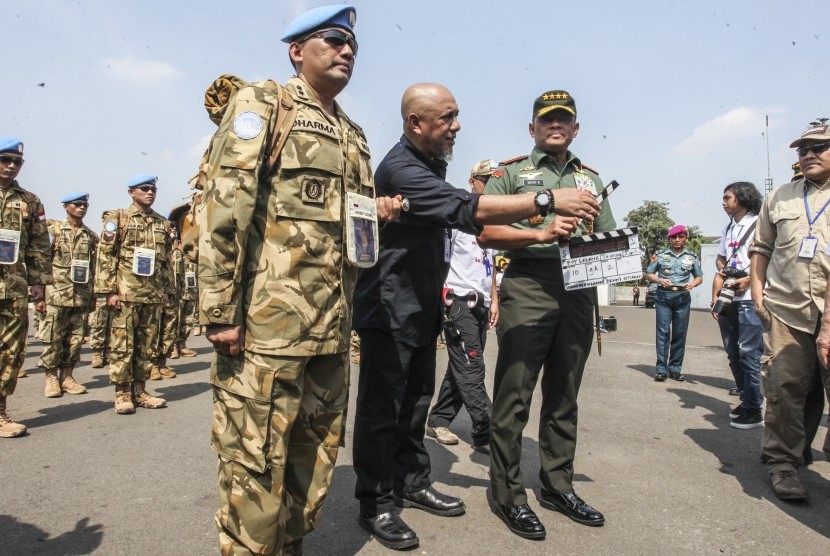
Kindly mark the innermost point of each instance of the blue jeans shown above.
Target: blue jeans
(741, 331)
(672, 322)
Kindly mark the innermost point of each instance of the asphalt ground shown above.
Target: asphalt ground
(658, 459)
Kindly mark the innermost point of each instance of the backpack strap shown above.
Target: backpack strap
(286, 117)
(122, 224)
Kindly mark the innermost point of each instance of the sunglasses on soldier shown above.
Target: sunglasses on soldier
(817, 148)
(10, 160)
(79, 203)
(147, 188)
(335, 37)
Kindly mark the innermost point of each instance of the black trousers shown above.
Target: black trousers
(540, 325)
(463, 382)
(396, 385)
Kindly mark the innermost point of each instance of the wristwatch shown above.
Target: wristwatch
(544, 202)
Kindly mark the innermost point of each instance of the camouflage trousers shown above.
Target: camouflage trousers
(14, 325)
(277, 424)
(62, 333)
(188, 318)
(99, 323)
(134, 333)
(168, 329)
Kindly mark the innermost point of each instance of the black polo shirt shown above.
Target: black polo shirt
(401, 294)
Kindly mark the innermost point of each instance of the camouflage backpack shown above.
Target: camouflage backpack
(221, 94)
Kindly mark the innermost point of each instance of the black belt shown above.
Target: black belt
(469, 297)
(672, 288)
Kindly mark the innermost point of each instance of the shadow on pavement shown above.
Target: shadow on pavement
(739, 453)
(176, 392)
(67, 412)
(17, 537)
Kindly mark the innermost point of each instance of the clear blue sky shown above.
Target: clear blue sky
(671, 95)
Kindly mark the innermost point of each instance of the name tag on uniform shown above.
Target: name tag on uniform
(144, 261)
(808, 247)
(190, 280)
(9, 246)
(79, 271)
(361, 230)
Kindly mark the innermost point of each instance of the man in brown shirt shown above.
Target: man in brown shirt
(788, 280)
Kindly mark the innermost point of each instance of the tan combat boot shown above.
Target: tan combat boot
(52, 389)
(22, 373)
(124, 399)
(143, 398)
(8, 428)
(164, 370)
(69, 384)
(155, 372)
(98, 359)
(175, 353)
(186, 351)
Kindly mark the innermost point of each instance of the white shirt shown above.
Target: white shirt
(471, 267)
(729, 239)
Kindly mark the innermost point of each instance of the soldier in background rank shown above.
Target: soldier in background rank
(24, 262)
(133, 270)
(275, 290)
(69, 296)
(169, 312)
(99, 331)
(186, 315)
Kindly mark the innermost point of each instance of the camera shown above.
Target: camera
(727, 292)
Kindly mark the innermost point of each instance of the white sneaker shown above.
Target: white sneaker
(442, 435)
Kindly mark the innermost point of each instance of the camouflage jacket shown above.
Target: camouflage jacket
(181, 265)
(271, 248)
(68, 244)
(125, 231)
(22, 211)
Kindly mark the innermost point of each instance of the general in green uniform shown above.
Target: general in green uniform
(540, 326)
(133, 270)
(24, 262)
(69, 296)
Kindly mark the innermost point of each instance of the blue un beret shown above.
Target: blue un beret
(75, 196)
(339, 15)
(10, 144)
(141, 179)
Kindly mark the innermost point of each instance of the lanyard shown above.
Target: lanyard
(810, 220)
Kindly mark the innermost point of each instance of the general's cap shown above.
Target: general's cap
(484, 168)
(339, 15)
(676, 230)
(817, 131)
(75, 196)
(554, 100)
(10, 145)
(141, 179)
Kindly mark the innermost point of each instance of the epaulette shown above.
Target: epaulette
(512, 160)
(586, 167)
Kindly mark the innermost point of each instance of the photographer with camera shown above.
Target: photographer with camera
(732, 305)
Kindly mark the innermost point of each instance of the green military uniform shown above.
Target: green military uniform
(135, 328)
(272, 258)
(68, 298)
(24, 262)
(540, 325)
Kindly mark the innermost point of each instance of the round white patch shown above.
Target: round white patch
(247, 125)
(110, 226)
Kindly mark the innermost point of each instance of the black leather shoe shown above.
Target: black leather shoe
(572, 506)
(522, 521)
(659, 377)
(389, 530)
(677, 376)
(432, 501)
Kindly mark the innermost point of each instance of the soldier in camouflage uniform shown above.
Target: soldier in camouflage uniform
(169, 313)
(186, 316)
(133, 270)
(99, 331)
(24, 262)
(69, 296)
(275, 290)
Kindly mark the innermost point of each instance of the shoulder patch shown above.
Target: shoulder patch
(497, 173)
(512, 160)
(586, 167)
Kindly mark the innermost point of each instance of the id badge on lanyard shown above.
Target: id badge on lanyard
(190, 280)
(79, 271)
(144, 261)
(447, 246)
(809, 243)
(9, 246)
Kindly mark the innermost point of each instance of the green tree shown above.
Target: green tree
(653, 222)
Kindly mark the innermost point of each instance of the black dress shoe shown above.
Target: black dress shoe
(677, 376)
(522, 521)
(659, 377)
(572, 506)
(389, 530)
(432, 501)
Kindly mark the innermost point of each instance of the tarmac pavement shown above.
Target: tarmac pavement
(658, 459)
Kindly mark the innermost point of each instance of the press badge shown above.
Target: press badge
(361, 230)
(808, 247)
(447, 247)
(79, 271)
(190, 280)
(144, 261)
(9, 246)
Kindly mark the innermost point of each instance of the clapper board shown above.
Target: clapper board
(601, 258)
